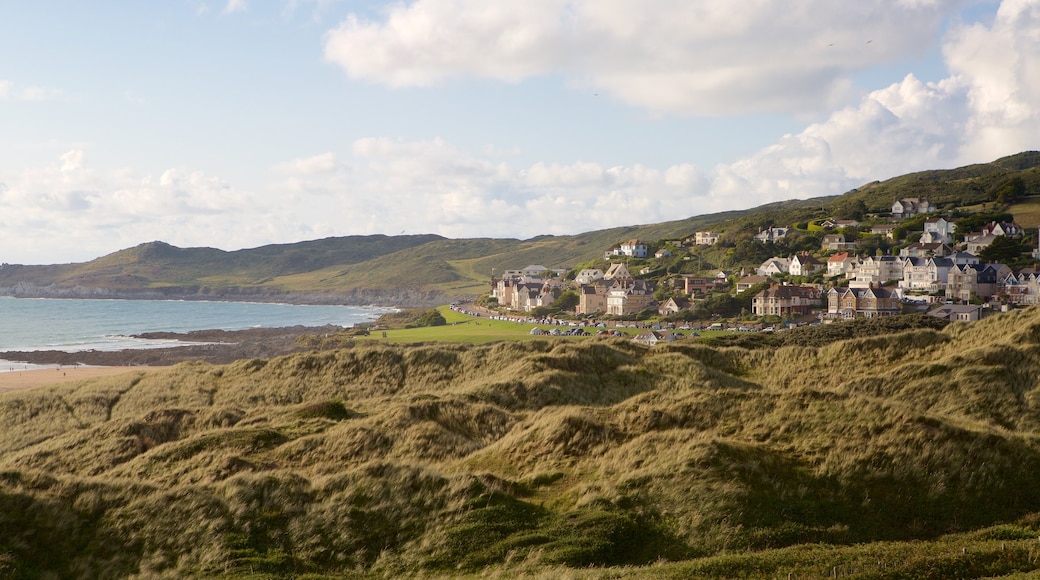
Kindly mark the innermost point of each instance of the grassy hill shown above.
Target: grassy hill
(425, 269)
(913, 454)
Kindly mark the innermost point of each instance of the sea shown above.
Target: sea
(31, 324)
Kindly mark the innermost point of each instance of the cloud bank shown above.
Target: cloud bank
(984, 108)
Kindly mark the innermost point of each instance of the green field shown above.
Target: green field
(468, 329)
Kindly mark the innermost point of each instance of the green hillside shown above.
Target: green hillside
(913, 454)
(430, 268)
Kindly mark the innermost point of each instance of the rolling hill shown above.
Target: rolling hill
(428, 269)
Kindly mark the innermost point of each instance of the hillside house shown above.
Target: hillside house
(878, 270)
(938, 230)
(663, 253)
(921, 250)
(978, 281)
(910, 206)
(588, 276)
(773, 266)
(833, 223)
(976, 244)
(634, 248)
(840, 263)
(747, 282)
(804, 265)
(869, 302)
(673, 306)
(886, 230)
(629, 297)
(786, 300)
(836, 242)
(1022, 289)
(771, 234)
(692, 285)
(592, 298)
(617, 271)
(925, 274)
(706, 238)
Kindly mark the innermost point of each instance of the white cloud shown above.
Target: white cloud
(324, 163)
(234, 6)
(9, 90)
(988, 108)
(707, 57)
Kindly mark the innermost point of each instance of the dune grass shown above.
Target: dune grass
(911, 455)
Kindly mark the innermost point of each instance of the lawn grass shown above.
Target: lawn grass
(469, 329)
(1027, 212)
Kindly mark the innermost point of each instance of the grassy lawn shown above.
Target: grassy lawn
(1027, 212)
(477, 330)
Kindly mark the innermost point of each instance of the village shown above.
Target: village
(935, 270)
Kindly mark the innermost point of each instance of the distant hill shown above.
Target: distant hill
(913, 454)
(427, 269)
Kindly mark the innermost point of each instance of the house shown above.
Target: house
(964, 258)
(832, 223)
(673, 306)
(1002, 229)
(925, 274)
(771, 234)
(773, 266)
(652, 337)
(617, 271)
(1022, 289)
(588, 276)
(786, 300)
(592, 298)
(969, 282)
(836, 242)
(922, 250)
(747, 282)
(628, 297)
(869, 302)
(663, 253)
(804, 265)
(978, 243)
(698, 285)
(634, 248)
(938, 230)
(958, 312)
(910, 206)
(840, 263)
(706, 238)
(887, 230)
(879, 269)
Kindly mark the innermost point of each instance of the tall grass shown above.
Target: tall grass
(538, 458)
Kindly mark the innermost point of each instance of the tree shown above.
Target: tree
(1004, 249)
(1008, 191)
(849, 209)
(431, 318)
(567, 301)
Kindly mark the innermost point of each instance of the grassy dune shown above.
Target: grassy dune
(909, 455)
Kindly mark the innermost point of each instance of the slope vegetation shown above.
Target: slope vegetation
(539, 457)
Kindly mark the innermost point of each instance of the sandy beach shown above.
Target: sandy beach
(14, 380)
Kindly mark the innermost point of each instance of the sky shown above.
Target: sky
(239, 123)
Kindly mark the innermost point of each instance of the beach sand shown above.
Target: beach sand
(14, 380)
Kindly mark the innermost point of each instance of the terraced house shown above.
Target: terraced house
(786, 300)
(870, 302)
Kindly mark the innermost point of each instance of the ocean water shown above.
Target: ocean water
(75, 325)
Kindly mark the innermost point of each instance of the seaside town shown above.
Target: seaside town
(912, 261)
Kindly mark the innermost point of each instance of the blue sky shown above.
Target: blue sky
(238, 123)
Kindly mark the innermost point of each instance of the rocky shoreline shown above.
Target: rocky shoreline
(212, 346)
